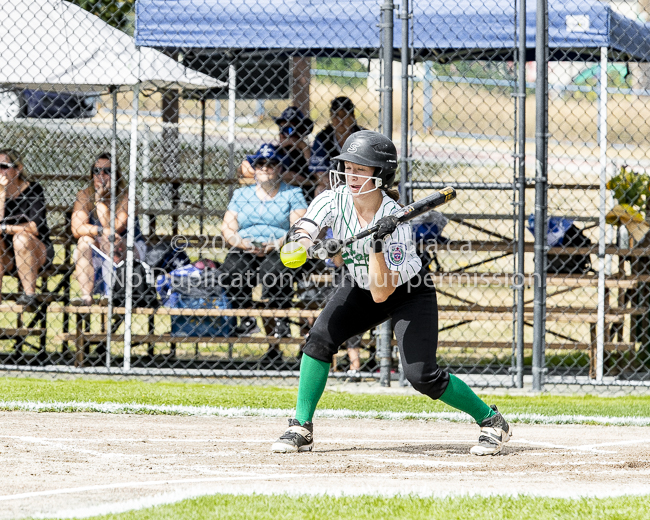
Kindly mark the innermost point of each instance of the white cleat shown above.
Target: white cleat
(495, 432)
(297, 438)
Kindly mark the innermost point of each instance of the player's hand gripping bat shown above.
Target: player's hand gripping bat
(328, 248)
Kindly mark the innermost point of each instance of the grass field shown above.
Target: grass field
(255, 397)
(401, 507)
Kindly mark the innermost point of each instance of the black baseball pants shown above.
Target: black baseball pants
(413, 309)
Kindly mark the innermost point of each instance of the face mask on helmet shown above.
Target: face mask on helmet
(339, 180)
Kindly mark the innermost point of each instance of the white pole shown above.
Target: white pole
(217, 111)
(130, 229)
(602, 126)
(111, 278)
(146, 172)
(232, 98)
(427, 93)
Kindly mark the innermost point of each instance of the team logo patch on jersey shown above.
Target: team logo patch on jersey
(396, 254)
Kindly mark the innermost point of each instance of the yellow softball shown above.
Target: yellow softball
(293, 255)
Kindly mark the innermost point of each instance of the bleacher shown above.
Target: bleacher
(81, 337)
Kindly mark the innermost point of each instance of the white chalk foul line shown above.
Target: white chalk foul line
(356, 441)
(244, 411)
(127, 485)
(125, 506)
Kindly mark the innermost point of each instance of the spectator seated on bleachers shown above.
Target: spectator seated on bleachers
(25, 245)
(257, 218)
(328, 142)
(293, 150)
(91, 226)
(295, 128)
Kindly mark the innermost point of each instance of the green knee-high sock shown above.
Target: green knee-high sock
(463, 398)
(313, 377)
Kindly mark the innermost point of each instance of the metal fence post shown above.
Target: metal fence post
(130, 226)
(387, 49)
(541, 195)
(202, 192)
(385, 331)
(405, 165)
(232, 105)
(404, 108)
(427, 94)
(521, 202)
(602, 142)
(111, 238)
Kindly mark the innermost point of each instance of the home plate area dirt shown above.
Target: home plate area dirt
(56, 464)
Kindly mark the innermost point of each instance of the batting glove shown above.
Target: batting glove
(387, 225)
(326, 249)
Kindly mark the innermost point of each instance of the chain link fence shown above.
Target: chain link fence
(154, 154)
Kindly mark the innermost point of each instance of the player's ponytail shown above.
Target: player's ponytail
(393, 194)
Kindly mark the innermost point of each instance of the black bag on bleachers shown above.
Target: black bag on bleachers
(164, 256)
(204, 285)
(571, 263)
(144, 294)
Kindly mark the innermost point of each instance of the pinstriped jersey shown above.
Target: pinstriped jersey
(336, 209)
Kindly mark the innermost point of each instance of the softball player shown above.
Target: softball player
(385, 280)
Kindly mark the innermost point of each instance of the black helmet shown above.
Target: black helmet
(370, 148)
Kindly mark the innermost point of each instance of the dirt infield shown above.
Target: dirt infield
(76, 463)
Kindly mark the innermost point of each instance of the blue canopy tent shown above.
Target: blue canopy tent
(349, 27)
(588, 30)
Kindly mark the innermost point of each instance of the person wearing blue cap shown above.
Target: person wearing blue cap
(293, 150)
(257, 219)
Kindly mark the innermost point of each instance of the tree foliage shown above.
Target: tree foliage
(118, 13)
(631, 188)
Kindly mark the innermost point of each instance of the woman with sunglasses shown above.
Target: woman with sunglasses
(254, 225)
(91, 226)
(25, 245)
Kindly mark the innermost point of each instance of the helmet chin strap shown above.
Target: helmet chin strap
(337, 184)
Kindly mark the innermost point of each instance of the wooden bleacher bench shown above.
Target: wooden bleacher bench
(83, 338)
(137, 339)
(561, 314)
(164, 311)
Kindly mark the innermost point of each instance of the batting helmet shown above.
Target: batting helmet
(370, 148)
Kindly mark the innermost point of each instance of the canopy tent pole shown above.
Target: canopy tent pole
(405, 192)
(602, 134)
(404, 110)
(111, 238)
(130, 226)
(146, 175)
(541, 193)
(385, 331)
(201, 196)
(427, 94)
(521, 195)
(232, 98)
